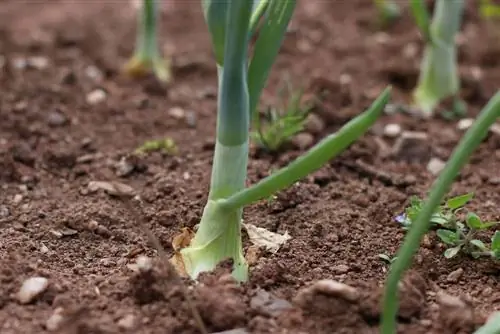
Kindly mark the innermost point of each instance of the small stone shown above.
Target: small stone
(331, 288)
(38, 63)
(476, 73)
(112, 188)
(191, 119)
(92, 225)
(124, 167)
(303, 45)
(127, 322)
(435, 166)
(55, 321)
(4, 211)
(234, 331)
(410, 50)
(32, 288)
(17, 199)
(450, 301)
(96, 96)
(44, 249)
(314, 124)
(303, 140)
(455, 275)
(341, 269)
(382, 38)
(268, 304)
(56, 118)
(94, 73)
(68, 231)
(186, 176)
(20, 63)
(345, 79)
(392, 130)
(465, 123)
(412, 146)
(495, 128)
(144, 263)
(177, 113)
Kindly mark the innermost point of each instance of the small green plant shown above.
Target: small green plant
(456, 229)
(280, 124)
(445, 215)
(166, 145)
(147, 57)
(463, 239)
(388, 11)
(439, 77)
(241, 81)
(421, 224)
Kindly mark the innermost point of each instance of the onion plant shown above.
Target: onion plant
(241, 81)
(423, 220)
(147, 57)
(439, 78)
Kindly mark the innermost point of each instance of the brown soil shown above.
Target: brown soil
(53, 143)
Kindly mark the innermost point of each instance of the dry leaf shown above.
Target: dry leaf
(263, 238)
(179, 242)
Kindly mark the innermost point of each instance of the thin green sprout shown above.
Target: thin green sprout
(420, 226)
(147, 57)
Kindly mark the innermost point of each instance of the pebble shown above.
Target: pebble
(341, 269)
(127, 322)
(465, 123)
(410, 50)
(412, 146)
(177, 113)
(32, 288)
(303, 140)
(234, 331)
(19, 63)
(94, 73)
(455, 275)
(92, 225)
(435, 166)
(268, 304)
(331, 288)
(38, 62)
(96, 96)
(124, 167)
(112, 188)
(144, 263)
(56, 118)
(44, 249)
(17, 198)
(495, 128)
(392, 130)
(4, 211)
(314, 124)
(191, 119)
(55, 321)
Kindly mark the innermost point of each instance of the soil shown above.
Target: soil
(53, 143)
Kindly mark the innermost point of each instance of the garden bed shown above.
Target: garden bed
(57, 135)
